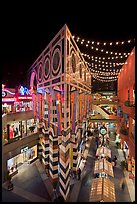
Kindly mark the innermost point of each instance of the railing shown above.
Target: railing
(19, 137)
(129, 103)
(124, 131)
(16, 116)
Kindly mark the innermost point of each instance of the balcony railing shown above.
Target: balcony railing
(129, 103)
(124, 131)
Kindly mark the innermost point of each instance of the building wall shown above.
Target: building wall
(126, 85)
(126, 78)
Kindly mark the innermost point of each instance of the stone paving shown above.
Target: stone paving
(28, 184)
(84, 190)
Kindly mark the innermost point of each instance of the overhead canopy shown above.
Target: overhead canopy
(103, 151)
(103, 166)
(102, 189)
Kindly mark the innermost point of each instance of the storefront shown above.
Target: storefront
(27, 155)
(16, 100)
(19, 129)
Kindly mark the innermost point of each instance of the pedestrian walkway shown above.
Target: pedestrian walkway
(31, 183)
(77, 183)
(28, 195)
(45, 178)
(84, 185)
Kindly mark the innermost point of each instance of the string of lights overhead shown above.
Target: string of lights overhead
(104, 80)
(104, 63)
(88, 42)
(92, 57)
(104, 73)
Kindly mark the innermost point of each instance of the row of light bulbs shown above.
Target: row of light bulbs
(104, 73)
(105, 65)
(124, 55)
(108, 52)
(104, 80)
(110, 80)
(83, 41)
(105, 77)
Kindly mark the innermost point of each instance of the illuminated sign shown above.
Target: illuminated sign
(8, 99)
(24, 97)
(24, 90)
(4, 93)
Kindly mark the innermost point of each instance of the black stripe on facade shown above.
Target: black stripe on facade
(64, 133)
(46, 83)
(64, 190)
(54, 81)
(74, 149)
(55, 155)
(64, 169)
(53, 171)
(46, 152)
(66, 153)
(74, 164)
(52, 153)
(53, 163)
(74, 157)
(64, 179)
(53, 142)
(65, 144)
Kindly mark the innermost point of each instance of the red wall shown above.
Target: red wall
(126, 78)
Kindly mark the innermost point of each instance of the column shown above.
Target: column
(73, 126)
(53, 157)
(64, 161)
(45, 150)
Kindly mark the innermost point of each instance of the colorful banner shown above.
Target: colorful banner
(73, 109)
(40, 106)
(49, 107)
(80, 107)
(59, 111)
(34, 99)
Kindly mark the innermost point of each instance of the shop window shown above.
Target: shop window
(14, 130)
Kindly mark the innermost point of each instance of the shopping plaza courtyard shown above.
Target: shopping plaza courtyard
(70, 135)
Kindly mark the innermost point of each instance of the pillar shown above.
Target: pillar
(53, 158)
(64, 160)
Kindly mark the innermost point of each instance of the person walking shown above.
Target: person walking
(79, 173)
(115, 160)
(122, 184)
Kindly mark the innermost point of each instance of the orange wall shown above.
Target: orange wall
(126, 78)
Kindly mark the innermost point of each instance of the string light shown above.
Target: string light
(107, 43)
(104, 80)
(124, 55)
(101, 68)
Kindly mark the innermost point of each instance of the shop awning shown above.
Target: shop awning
(103, 166)
(103, 151)
(102, 189)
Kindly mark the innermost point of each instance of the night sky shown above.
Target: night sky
(27, 30)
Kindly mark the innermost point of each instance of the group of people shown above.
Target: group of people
(101, 141)
(75, 173)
